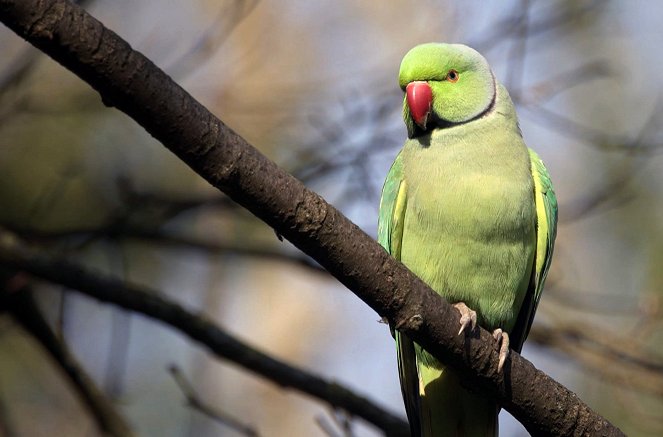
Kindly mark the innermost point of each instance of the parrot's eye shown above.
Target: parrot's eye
(452, 76)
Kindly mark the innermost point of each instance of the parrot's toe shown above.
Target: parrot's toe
(468, 317)
(503, 343)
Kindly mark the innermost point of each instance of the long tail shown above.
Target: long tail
(448, 409)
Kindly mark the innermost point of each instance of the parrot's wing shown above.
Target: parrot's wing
(546, 230)
(390, 235)
(392, 210)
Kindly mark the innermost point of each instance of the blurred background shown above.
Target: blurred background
(313, 85)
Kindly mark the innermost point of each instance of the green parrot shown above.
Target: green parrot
(471, 210)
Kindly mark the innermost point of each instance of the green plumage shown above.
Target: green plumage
(470, 210)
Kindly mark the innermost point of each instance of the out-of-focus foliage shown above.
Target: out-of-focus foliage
(313, 85)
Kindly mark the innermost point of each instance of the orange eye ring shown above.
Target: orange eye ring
(453, 76)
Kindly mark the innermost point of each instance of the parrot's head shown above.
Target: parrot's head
(445, 85)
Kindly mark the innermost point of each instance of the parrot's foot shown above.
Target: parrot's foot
(503, 343)
(467, 317)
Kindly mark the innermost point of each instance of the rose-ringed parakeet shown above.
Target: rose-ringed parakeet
(471, 210)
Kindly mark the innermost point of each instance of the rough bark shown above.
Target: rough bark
(127, 80)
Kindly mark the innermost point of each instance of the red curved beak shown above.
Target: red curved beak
(419, 99)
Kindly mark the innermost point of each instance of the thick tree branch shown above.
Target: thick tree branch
(149, 302)
(129, 81)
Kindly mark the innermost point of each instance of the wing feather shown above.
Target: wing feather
(393, 204)
(546, 231)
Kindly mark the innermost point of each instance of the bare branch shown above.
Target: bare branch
(197, 404)
(615, 358)
(198, 328)
(564, 81)
(518, 52)
(228, 18)
(129, 81)
(129, 231)
(220, 247)
(594, 136)
(339, 420)
(327, 427)
(557, 19)
(22, 306)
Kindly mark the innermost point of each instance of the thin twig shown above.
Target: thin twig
(129, 81)
(326, 426)
(197, 327)
(212, 38)
(128, 230)
(518, 52)
(339, 420)
(214, 413)
(557, 19)
(21, 305)
(563, 81)
(617, 359)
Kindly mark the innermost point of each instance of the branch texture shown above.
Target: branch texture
(129, 81)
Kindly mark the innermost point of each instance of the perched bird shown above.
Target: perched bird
(471, 210)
